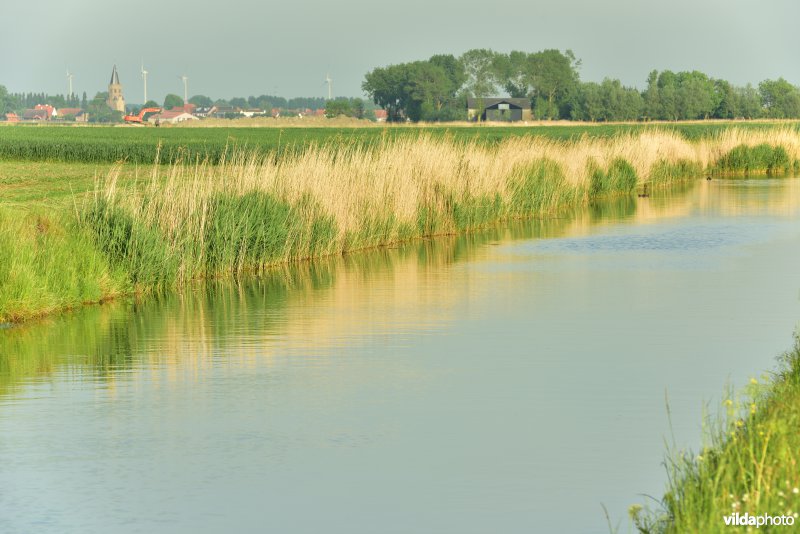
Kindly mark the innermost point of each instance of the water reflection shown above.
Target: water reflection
(331, 302)
(513, 376)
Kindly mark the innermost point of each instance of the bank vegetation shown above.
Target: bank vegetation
(247, 211)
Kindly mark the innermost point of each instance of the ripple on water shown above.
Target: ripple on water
(688, 239)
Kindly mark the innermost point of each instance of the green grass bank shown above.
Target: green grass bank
(750, 465)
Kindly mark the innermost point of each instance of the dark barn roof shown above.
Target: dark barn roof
(475, 103)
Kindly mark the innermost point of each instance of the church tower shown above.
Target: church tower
(115, 100)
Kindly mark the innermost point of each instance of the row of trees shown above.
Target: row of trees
(685, 96)
(437, 89)
(17, 102)
(268, 102)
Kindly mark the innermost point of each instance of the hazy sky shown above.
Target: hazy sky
(241, 47)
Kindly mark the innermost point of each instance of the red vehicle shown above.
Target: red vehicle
(142, 116)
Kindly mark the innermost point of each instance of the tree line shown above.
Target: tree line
(353, 107)
(437, 89)
(18, 102)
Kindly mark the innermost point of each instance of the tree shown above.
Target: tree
(335, 108)
(100, 112)
(357, 106)
(726, 101)
(3, 99)
(421, 90)
(515, 73)
(429, 88)
(239, 102)
(780, 99)
(151, 104)
(555, 79)
(696, 95)
(668, 105)
(480, 70)
(387, 88)
(748, 102)
(202, 101)
(453, 69)
(173, 101)
(589, 105)
(619, 103)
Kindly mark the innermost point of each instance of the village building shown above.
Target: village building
(76, 114)
(250, 113)
(222, 112)
(12, 117)
(35, 115)
(203, 112)
(115, 99)
(51, 111)
(499, 109)
(171, 117)
(186, 108)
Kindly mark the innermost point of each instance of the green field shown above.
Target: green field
(141, 145)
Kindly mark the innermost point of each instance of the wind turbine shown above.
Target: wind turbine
(144, 77)
(329, 81)
(185, 80)
(69, 81)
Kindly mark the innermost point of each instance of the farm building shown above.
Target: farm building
(35, 115)
(499, 109)
(76, 114)
(171, 117)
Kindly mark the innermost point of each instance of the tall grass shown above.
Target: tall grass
(750, 463)
(49, 263)
(251, 210)
(245, 210)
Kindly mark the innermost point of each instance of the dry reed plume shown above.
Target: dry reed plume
(352, 182)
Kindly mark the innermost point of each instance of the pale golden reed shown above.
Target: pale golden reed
(352, 182)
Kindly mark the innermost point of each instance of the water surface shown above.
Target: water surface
(512, 380)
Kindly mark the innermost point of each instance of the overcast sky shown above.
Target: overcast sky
(244, 47)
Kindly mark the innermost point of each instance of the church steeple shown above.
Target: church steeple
(115, 100)
(114, 77)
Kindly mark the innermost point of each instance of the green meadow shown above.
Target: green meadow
(108, 144)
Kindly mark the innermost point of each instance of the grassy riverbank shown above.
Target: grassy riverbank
(157, 227)
(750, 464)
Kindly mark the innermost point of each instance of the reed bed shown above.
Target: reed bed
(245, 210)
(251, 210)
